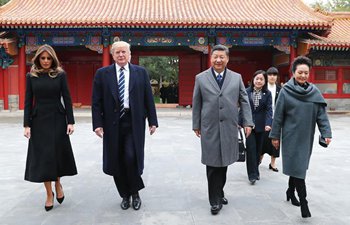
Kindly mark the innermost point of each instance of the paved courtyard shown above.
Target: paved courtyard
(176, 186)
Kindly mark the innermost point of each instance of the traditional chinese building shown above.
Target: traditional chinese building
(259, 33)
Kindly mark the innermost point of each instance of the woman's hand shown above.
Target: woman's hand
(275, 143)
(27, 132)
(267, 128)
(328, 140)
(70, 129)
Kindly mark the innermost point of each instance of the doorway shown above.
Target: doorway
(164, 76)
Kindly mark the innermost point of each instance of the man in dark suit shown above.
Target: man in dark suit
(121, 101)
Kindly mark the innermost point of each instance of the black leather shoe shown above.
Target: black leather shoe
(48, 208)
(224, 201)
(125, 203)
(215, 209)
(252, 181)
(136, 201)
(59, 200)
(272, 168)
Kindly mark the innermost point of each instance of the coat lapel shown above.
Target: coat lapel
(227, 80)
(212, 80)
(132, 78)
(113, 82)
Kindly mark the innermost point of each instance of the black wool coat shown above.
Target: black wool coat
(50, 153)
(105, 113)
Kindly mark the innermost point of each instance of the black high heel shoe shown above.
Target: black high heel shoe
(60, 200)
(273, 169)
(48, 208)
(291, 196)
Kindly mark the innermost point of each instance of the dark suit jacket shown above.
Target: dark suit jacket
(105, 112)
(262, 115)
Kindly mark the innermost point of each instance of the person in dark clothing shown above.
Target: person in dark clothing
(121, 102)
(48, 124)
(274, 88)
(261, 106)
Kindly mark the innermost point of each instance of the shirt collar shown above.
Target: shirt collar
(126, 67)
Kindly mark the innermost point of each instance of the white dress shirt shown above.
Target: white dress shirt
(272, 89)
(127, 78)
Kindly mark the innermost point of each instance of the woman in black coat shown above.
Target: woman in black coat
(261, 106)
(48, 124)
(274, 88)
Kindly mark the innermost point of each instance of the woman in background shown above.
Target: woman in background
(261, 106)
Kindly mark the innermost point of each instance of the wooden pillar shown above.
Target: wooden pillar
(2, 90)
(106, 60)
(209, 56)
(292, 56)
(6, 88)
(21, 76)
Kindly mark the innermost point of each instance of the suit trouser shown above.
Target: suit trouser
(254, 144)
(128, 181)
(216, 181)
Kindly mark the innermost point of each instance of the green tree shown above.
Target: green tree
(333, 5)
(161, 68)
(3, 2)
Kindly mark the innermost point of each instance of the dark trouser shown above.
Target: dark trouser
(254, 145)
(216, 181)
(129, 181)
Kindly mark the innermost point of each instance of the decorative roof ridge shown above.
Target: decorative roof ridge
(317, 12)
(340, 15)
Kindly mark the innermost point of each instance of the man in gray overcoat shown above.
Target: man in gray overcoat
(218, 94)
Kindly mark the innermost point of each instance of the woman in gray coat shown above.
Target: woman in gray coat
(300, 106)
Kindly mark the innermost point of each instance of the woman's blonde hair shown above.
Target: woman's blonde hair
(55, 66)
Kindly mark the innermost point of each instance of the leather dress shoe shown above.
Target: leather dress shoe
(252, 181)
(224, 201)
(125, 203)
(215, 209)
(136, 202)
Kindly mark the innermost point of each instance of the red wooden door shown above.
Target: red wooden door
(189, 67)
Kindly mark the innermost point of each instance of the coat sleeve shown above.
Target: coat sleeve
(28, 102)
(268, 119)
(278, 117)
(245, 109)
(67, 99)
(196, 106)
(97, 101)
(323, 122)
(149, 102)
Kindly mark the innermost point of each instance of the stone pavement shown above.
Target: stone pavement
(176, 186)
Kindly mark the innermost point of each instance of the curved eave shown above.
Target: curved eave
(171, 25)
(330, 46)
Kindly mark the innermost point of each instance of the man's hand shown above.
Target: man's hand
(197, 132)
(247, 131)
(267, 128)
(152, 129)
(275, 143)
(99, 132)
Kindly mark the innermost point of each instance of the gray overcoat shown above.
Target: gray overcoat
(215, 113)
(297, 112)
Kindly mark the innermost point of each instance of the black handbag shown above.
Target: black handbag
(241, 147)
